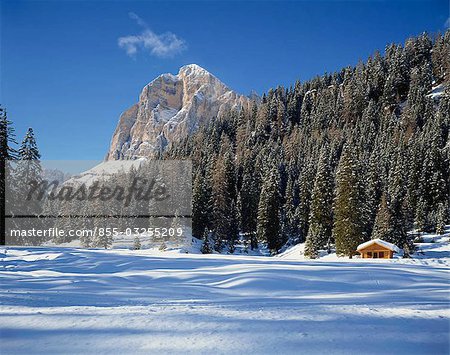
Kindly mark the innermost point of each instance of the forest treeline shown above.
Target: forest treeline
(9, 151)
(334, 161)
(337, 160)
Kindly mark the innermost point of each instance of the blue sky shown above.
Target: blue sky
(64, 73)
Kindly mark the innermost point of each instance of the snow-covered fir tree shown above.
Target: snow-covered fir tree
(225, 223)
(268, 223)
(321, 217)
(206, 246)
(349, 211)
(7, 152)
(137, 243)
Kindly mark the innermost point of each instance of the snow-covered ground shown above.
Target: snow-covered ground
(69, 300)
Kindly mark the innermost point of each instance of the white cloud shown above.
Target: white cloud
(161, 45)
(139, 21)
(447, 23)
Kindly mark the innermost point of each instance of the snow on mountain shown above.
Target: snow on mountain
(170, 108)
(104, 170)
(55, 175)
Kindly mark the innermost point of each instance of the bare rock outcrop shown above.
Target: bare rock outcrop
(170, 108)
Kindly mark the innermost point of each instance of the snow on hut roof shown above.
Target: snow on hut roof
(383, 243)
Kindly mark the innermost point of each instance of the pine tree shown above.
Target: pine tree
(396, 86)
(420, 219)
(291, 201)
(234, 228)
(268, 224)
(225, 224)
(206, 246)
(137, 243)
(396, 193)
(321, 217)
(303, 209)
(383, 228)
(441, 218)
(200, 204)
(7, 138)
(28, 170)
(28, 149)
(29, 167)
(373, 191)
(85, 239)
(349, 213)
(103, 238)
(248, 202)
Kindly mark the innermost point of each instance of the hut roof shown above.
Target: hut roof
(383, 243)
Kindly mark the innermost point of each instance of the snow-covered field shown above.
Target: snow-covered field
(69, 300)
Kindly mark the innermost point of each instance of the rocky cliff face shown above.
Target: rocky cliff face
(170, 108)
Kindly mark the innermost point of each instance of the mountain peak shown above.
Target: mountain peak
(189, 72)
(170, 108)
(193, 68)
(195, 71)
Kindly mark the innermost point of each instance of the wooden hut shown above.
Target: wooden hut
(377, 249)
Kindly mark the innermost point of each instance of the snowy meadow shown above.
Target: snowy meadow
(71, 300)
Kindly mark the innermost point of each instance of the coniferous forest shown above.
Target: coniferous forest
(334, 161)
